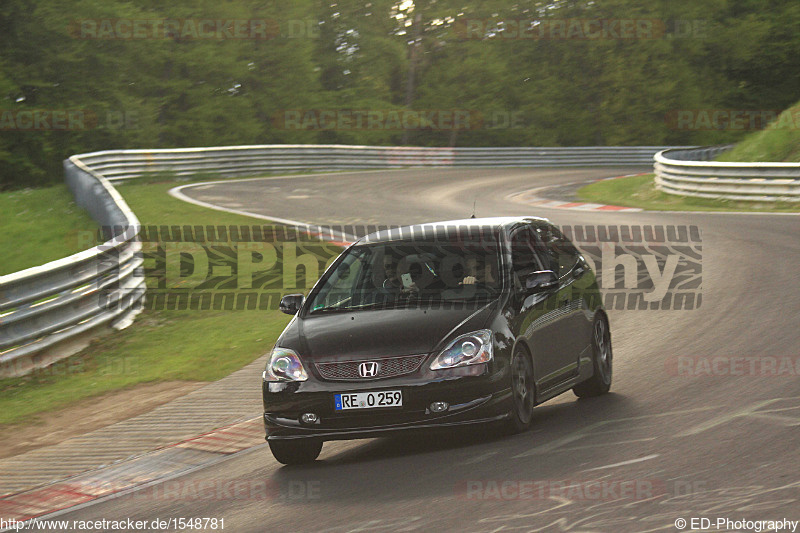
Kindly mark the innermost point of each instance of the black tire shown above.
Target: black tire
(295, 451)
(522, 392)
(602, 362)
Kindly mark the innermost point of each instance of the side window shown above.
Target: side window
(345, 277)
(342, 283)
(562, 254)
(524, 259)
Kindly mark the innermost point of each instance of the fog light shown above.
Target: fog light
(438, 407)
(309, 418)
(277, 386)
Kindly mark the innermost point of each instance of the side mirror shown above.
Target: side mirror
(580, 268)
(290, 304)
(541, 280)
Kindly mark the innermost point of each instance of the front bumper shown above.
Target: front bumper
(474, 393)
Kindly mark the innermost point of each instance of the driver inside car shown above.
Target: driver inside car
(477, 273)
(394, 281)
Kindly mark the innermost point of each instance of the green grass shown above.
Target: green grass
(164, 345)
(640, 191)
(41, 225)
(158, 347)
(778, 142)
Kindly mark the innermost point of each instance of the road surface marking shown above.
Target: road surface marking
(623, 463)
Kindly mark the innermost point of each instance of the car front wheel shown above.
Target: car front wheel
(600, 382)
(295, 451)
(522, 392)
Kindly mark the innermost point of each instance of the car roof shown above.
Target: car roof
(444, 228)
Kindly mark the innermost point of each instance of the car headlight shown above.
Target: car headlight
(469, 349)
(284, 365)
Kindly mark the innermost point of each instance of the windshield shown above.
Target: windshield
(403, 273)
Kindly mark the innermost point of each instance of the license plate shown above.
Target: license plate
(368, 400)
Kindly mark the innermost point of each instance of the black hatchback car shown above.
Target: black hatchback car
(444, 324)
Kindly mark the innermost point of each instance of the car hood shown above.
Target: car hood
(379, 333)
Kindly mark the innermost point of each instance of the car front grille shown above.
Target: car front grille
(389, 367)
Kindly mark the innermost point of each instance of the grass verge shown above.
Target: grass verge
(165, 345)
(778, 142)
(40, 225)
(640, 191)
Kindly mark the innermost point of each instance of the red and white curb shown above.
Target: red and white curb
(228, 439)
(577, 206)
(169, 461)
(532, 197)
(327, 234)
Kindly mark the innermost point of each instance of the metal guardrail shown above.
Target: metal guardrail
(48, 312)
(233, 161)
(691, 172)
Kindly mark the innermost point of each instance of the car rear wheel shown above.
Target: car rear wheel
(600, 382)
(295, 451)
(522, 391)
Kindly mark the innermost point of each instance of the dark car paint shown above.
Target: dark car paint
(554, 327)
(361, 335)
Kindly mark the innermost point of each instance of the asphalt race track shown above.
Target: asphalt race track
(663, 446)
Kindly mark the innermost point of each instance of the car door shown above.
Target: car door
(565, 261)
(540, 319)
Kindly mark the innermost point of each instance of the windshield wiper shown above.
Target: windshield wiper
(374, 305)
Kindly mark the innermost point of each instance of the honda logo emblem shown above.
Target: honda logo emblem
(368, 370)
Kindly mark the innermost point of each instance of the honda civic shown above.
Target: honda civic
(436, 325)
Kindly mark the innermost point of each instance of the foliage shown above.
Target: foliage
(778, 142)
(184, 90)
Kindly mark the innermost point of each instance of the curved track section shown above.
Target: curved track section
(705, 441)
